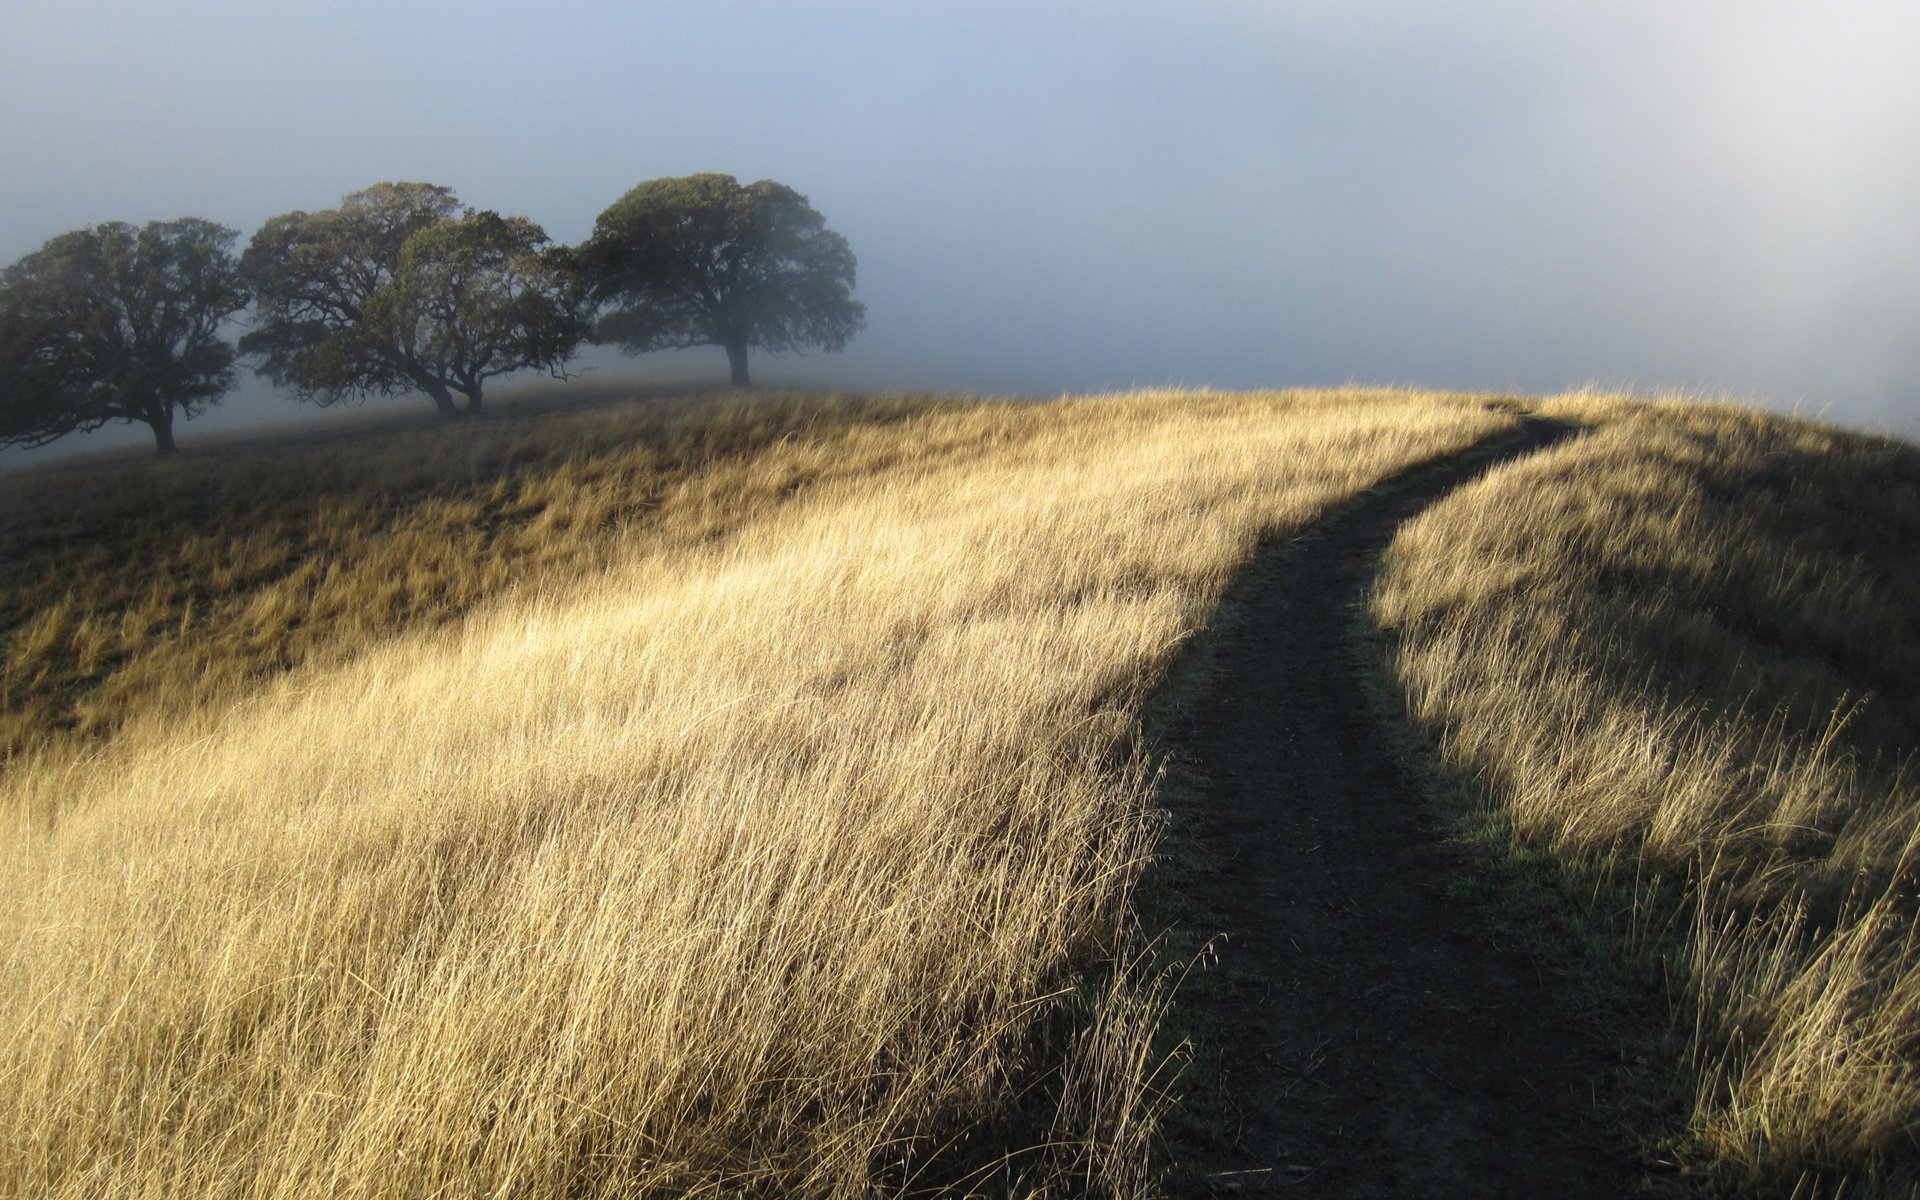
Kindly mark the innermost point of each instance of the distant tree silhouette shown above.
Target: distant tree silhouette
(114, 323)
(402, 289)
(705, 261)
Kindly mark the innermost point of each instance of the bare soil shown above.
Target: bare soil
(1361, 1026)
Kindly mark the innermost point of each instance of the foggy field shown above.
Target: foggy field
(748, 793)
(998, 744)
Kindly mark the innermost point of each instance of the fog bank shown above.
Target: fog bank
(1496, 195)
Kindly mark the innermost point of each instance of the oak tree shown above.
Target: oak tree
(402, 289)
(114, 323)
(706, 261)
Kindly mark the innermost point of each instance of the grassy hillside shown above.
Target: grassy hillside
(127, 585)
(1683, 653)
(766, 822)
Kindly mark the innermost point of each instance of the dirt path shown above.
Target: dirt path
(1368, 1035)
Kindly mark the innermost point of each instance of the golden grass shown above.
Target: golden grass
(795, 860)
(127, 584)
(1686, 646)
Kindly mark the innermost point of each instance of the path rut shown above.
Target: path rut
(1372, 1037)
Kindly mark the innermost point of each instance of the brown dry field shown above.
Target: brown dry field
(748, 793)
(1681, 654)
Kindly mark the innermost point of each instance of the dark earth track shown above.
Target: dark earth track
(1363, 1031)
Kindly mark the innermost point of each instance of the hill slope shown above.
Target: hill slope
(749, 794)
(1683, 654)
(787, 853)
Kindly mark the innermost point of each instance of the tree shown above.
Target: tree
(402, 289)
(704, 261)
(114, 323)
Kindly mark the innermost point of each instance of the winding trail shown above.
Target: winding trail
(1369, 1035)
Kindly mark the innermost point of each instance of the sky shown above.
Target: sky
(1511, 195)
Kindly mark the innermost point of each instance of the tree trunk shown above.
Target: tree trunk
(473, 398)
(442, 399)
(162, 423)
(737, 359)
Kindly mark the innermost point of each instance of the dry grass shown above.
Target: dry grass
(127, 584)
(1686, 646)
(795, 860)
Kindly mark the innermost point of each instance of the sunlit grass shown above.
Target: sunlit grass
(129, 584)
(776, 842)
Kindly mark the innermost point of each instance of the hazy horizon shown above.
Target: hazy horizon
(1493, 196)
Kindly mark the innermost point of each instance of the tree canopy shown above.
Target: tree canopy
(114, 323)
(402, 289)
(706, 261)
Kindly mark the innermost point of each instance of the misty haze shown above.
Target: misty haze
(1493, 196)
